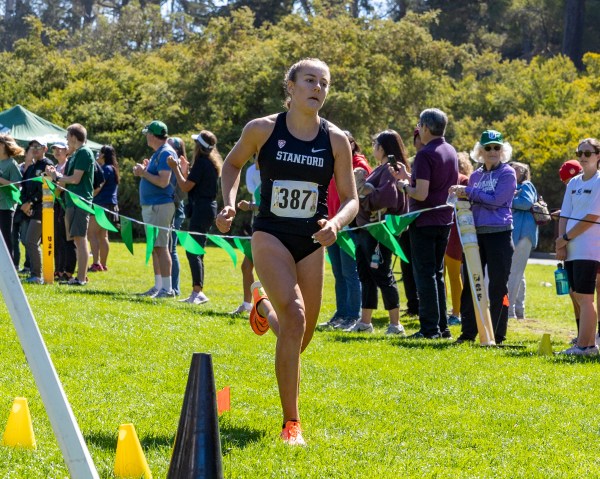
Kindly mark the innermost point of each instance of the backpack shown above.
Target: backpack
(540, 212)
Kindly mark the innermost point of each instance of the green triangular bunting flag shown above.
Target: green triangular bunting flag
(151, 234)
(189, 243)
(397, 224)
(127, 233)
(380, 232)
(245, 246)
(346, 244)
(102, 220)
(222, 242)
(77, 201)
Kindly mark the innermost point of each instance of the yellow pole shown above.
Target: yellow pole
(47, 234)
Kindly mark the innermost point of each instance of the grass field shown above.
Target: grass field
(372, 406)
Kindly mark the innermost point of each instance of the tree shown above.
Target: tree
(572, 45)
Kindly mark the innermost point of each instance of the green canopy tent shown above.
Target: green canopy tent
(24, 126)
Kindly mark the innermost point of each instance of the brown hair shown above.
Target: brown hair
(78, 131)
(211, 152)
(292, 75)
(526, 176)
(12, 148)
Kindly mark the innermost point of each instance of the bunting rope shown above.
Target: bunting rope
(384, 231)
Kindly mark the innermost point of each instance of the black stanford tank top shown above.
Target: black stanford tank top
(299, 170)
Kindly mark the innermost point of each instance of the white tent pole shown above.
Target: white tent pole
(64, 424)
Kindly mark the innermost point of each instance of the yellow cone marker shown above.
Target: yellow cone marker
(545, 348)
(19, 429)
(130, 460)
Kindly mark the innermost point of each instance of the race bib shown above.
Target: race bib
(294, 199)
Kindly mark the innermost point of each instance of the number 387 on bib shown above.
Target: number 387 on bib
(294, 199)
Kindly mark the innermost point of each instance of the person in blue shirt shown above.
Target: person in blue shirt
(525, 238)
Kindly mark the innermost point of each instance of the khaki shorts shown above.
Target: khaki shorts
(76, 222)
(159, 215)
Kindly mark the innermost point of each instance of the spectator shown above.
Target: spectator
(22, 219)
(201, 186)
(435, 169)
(343, 266)
(65, 253)
(9, 174)
(578, 242)
(179, 216)
(32, 208)
(378, 197)
(106, 197)
(157, 196)
(453, 256)
(78, 179)
(525, 237)
(491, 190)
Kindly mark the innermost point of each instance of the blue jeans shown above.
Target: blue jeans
(347, 284)
(177, 222)
(428, 244)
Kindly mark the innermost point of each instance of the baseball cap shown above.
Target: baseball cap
(491, 137)
(59, 144)
(569, 169)
(38, 140)
(157, 128)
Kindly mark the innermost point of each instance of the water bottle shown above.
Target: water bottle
(562, 283)
(375, 258)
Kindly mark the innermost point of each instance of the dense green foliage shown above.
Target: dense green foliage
(372, 406)
(384, 73)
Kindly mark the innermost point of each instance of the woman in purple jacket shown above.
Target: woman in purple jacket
(491, 191)
(379, 196)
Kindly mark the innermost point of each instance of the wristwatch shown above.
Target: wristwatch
(566, 238)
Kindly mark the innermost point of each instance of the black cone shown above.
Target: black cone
(197, 451)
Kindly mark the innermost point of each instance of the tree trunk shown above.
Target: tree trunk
(10, 8)
(572, 44)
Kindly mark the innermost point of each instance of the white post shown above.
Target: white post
(64, 424)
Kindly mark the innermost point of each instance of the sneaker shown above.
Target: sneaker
(163, 293)
(332, 323)
(574, 341)
(462, 339)
(241, 309)
(96, 267)
(104, 267)
(446, 334)
(34, 280)
(454, 320)
(76, 282)
(396, 329)
(577, 351)
(190, 299)
(24, 271)
(200, 298)
(150, 293)
(291, 434)
(360, 327)
(346, 323)
(420, 335)
(258, 323)
(520, 314)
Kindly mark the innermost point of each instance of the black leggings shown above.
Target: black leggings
(203, 217)
(6, 226)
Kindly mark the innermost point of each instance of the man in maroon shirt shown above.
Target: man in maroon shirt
(435, 169)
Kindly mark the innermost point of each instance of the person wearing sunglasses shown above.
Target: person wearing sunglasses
(578, 242)
(491, 190)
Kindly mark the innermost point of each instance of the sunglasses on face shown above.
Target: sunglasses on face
(490, 147)
(587, 154)
(37, 147)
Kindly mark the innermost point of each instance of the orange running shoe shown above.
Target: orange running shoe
(292, 434)
(259, 323)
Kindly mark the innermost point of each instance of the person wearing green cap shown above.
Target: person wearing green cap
(157, 196)
(491, 191)
(9, 174)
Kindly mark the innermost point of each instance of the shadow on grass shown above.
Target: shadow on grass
(108, 442)
(238, 437)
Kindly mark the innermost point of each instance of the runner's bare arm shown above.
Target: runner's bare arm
(344, 179)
